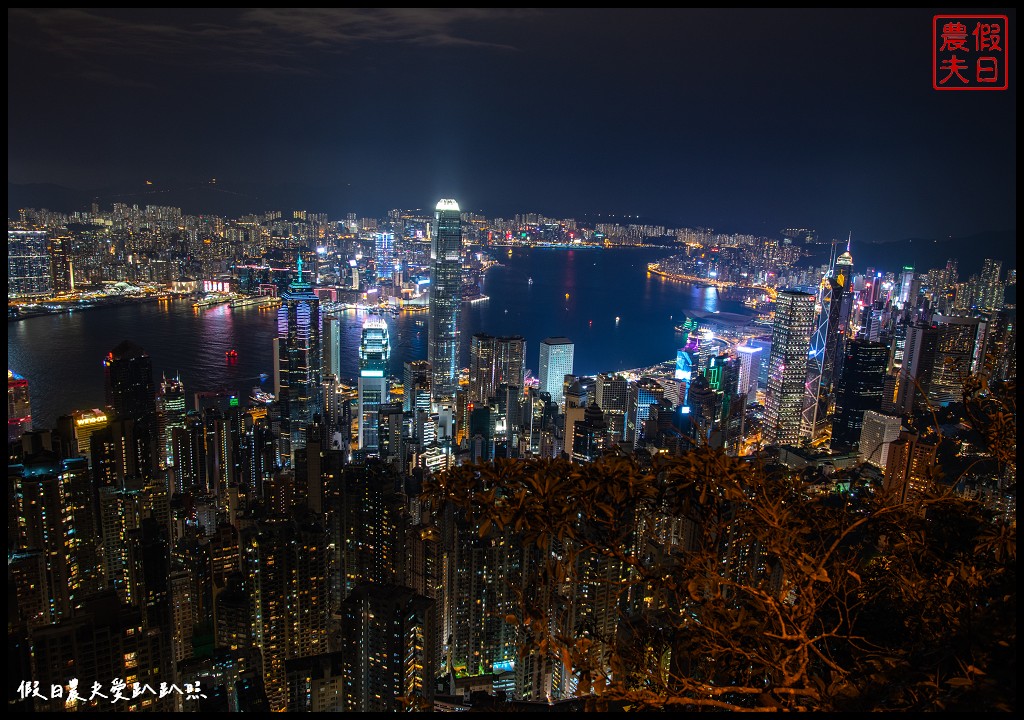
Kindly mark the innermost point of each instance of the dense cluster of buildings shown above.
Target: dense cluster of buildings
(276, 555)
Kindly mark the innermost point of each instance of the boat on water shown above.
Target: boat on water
(255, 301)
(529, 281)
(261, 396)
(231, 354)
(264, 377)
(209, 301)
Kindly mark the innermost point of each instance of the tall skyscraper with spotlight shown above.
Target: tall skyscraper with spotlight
(445, 299)
(556, 355)
(374, 353)
(787, 371)
(828, 344)
(298, 362)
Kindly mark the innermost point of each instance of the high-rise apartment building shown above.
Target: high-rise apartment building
(388, 648)
(286, 569)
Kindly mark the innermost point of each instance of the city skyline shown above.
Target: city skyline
(464, 359)
(696, 117)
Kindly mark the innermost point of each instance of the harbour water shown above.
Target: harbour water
(618, 316)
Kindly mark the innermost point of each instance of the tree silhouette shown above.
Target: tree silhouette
(713, 582)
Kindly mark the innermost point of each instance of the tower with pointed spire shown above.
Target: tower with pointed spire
(828, 344)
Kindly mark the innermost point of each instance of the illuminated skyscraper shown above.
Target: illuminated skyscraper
(385, 256)
(990, 289)
(416, 385)
(298, 356)
(61, 272)
(787, 372)
(87, 422)
(750, 368)
(877, 432)
(51, 515)
(170, 415)
(286, 575)
(954, 356)
(388, 647)
(28, 264)
(374, 353)
(495, 361)
(331, 346)
(19, 410)
(612, 396)
(642, 394)
(917, 369)
(556, 355)
(827, 342)
(589, 436)
(445, 299)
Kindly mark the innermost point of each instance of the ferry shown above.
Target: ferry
(209, 302)
(231, 354)
(254, 300)
(261, 396)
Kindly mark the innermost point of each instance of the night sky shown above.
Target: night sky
(740, 120)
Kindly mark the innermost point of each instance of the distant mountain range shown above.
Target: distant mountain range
(234, 200)
(194, 198)
(924, 254)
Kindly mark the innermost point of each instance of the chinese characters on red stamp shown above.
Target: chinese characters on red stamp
(969, 52)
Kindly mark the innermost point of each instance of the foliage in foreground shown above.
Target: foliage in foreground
(732, 588)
